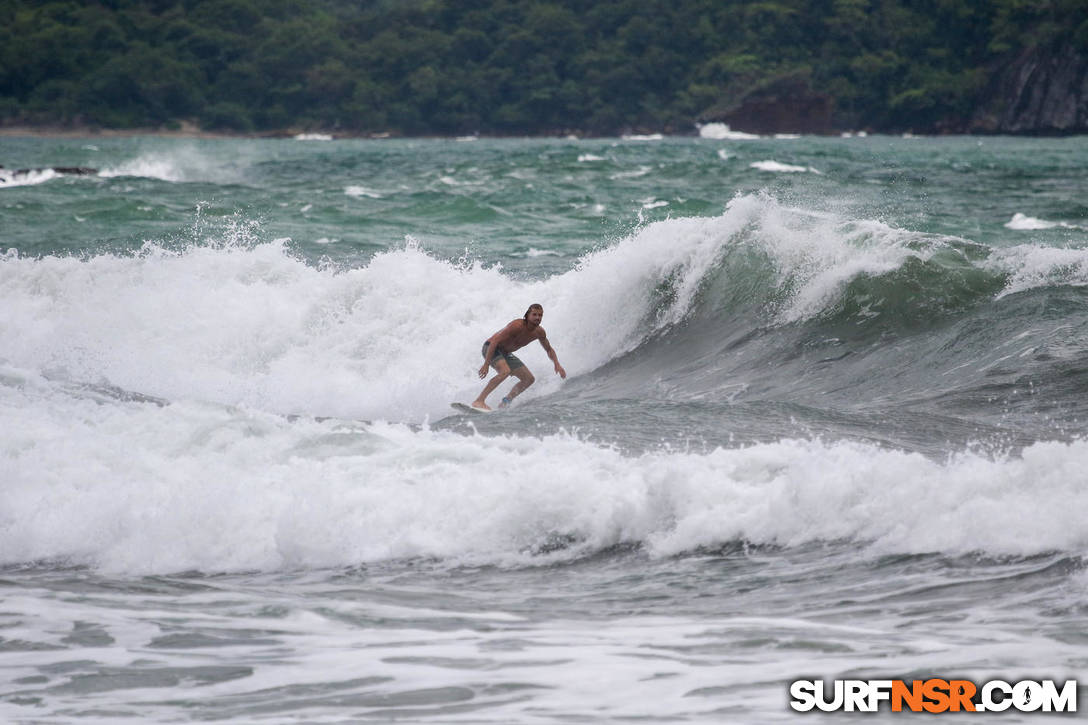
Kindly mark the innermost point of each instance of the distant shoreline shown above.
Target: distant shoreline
(94, 132)
(196, 133)
(63, 132)
(190, 131)
(89, 132)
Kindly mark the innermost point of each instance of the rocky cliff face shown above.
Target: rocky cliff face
(1040, 91)
(786, 105)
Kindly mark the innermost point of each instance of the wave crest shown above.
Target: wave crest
(142, 488)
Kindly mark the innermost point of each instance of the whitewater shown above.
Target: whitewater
(814, 423)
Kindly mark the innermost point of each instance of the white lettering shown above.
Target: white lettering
(993, 696)
(879, 691)
(992, 705)
(821, 696)
(803, 693)
(1027, 696)
(856, 695)
(1064, 701)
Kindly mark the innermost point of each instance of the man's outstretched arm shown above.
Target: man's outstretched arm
(555, 358)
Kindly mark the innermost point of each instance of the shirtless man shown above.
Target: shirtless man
(497, 353)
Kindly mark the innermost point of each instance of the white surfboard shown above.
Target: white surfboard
(468, 408)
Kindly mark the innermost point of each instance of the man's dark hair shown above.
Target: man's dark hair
(534, 306)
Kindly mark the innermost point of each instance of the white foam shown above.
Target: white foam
(244, 323)
(255, 326)
(313, 137)
(778, 167)
(236, 332)
(820, 256)
(8, 177)
(138, 488)
(182, 164)
(1022, 222)
(1030, 266)
(815, 254)
(632, 174)
(586, 158)
(239, 322)
(643, 137)
(150, 167)
(722, 131)
(361, 191)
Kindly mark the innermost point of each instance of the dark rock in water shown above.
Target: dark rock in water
(785, 105)
(1040, 91)
(75, 170)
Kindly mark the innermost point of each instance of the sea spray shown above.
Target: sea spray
(830, 427)
(238, 321)
(142, 488)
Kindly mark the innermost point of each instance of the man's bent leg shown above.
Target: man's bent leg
(503, 371)
(525, 379)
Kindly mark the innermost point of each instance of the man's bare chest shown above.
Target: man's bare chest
(521, 339)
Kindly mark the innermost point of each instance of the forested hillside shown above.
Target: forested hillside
(509, 67)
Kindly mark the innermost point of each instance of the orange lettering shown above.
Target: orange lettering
(936, 691)
(912, 695)
(961, 692)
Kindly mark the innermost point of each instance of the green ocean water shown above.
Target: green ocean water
(501, 197)
(825, 417)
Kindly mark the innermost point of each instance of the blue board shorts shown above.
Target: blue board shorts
(511, 359)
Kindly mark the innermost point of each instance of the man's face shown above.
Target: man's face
(535, 316)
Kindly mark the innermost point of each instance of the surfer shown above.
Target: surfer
(497, 351)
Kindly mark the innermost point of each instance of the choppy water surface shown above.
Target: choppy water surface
(825, 417)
